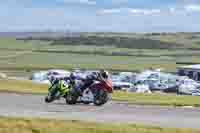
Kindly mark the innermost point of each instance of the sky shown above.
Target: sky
(101, 15)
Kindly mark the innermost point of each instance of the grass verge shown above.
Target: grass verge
(133, 98)
(157, 99)
(22, 125)
(21, 86)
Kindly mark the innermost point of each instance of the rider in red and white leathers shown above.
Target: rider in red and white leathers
(102, 76)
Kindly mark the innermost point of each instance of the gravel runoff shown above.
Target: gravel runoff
(19, 105)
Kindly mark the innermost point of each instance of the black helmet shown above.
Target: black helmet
(53, 79)
(72, 76)
(104, 74)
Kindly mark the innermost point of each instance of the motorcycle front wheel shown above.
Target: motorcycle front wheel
(71, 98)
(100, 97)
(49, 99)
(51, 95)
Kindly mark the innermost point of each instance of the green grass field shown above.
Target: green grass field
(36, 55)
(22, 125)
(89, 61)
(28, 55)
(133, 98)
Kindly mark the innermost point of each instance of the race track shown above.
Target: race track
(34, 106)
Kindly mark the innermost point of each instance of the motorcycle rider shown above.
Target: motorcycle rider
(62, 83)
(90, 79)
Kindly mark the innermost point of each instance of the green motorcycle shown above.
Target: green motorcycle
(58, 89)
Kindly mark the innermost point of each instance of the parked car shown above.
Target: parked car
(142, 87)
(40, 77)
(120, 84)
(44, 76)
(3, 76)
(158, 80)
(188, 86)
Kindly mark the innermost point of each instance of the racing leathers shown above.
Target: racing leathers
(61, 83)
(89, 80)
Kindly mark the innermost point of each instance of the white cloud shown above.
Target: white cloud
(172, 10)
(109, 11)
(145, 11)
(192, 8)
(88, 2)
(130, 11)
(176, 10)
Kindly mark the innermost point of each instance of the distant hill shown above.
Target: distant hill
(120, 40)
(116, 41)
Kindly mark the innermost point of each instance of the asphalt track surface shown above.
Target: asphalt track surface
(18, 105)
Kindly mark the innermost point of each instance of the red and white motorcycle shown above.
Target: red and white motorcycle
(98, 93)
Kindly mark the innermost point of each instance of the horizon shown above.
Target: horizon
(67, 31)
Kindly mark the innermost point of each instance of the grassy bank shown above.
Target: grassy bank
(17, 125)
(22, 87)
(140, 99)
(157, 99)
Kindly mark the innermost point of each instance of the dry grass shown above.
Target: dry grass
(157, 99)
(22, 86)
(18, 125)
